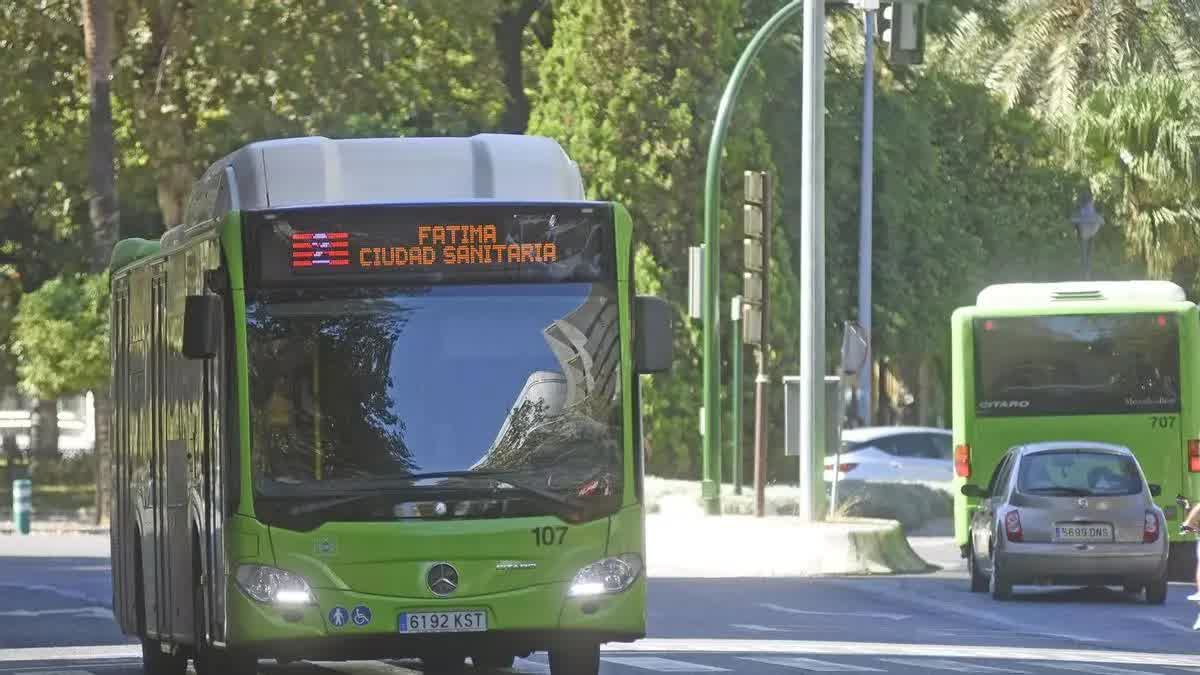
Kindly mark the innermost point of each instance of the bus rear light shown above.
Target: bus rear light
(844, 467)
(1150, 528)
(962, 461)
(1194, 455)
(1012, 526)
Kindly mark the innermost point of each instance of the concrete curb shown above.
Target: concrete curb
(741, 547)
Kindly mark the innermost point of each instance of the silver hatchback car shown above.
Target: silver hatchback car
(1069, 514)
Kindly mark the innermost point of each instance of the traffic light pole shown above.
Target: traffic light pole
(866, 223)
(710, 484)
(760, 353)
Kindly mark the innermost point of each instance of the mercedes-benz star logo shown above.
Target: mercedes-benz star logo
(443, 579)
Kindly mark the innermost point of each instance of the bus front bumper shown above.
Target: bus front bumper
(521, 621)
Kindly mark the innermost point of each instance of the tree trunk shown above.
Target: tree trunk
(510, 43)
(98, 35)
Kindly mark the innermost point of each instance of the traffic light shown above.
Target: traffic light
(902, 29)
(756, 252)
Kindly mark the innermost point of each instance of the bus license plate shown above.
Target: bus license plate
(458, 621)
(1083, 532)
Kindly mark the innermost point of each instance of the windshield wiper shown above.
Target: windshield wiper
(1072, 491)
(500, 478)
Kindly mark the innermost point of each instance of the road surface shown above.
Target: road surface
(54, 619)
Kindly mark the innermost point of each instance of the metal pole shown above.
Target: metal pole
(760, 355)
(812, 255)
(865, 210)
(735, 431)
(709, 487)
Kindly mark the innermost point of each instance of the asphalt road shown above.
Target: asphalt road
(54, 619)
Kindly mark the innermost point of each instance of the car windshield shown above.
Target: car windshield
(355, 387)
(1079, 473)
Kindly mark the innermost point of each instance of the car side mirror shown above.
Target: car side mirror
(1155, 490)
(201, 326)
(972, 490)
(654, 344)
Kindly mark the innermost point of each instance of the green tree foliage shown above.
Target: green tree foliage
(1050, 54)
(61, 333)
(1139, 139)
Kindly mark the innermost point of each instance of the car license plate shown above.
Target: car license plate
(457, 621)
(1083, 532)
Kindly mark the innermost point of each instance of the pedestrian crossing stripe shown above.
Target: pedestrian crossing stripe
(953, 666)
(660, 665)
(812, 665)
(1094, 668)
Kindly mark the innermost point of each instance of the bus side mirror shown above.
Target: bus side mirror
(1155, 490)
(654, 344)
(201, 324)
(972, 490)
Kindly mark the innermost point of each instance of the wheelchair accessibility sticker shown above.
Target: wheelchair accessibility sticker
(361, 615)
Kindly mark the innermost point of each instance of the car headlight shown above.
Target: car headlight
(269, 584)
(608, 576)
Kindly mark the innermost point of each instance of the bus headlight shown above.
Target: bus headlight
(607, 577)
(269, 584)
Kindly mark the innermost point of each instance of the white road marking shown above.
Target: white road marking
(1166, 623)
(811, 665)
(880, 590)
(1094, 668)
(55, 672)
(78, 612)
(885, 649)
(759, 629)
(955, 666)
(856, 615)
(101, 653)
(527, 666)
(662, 665)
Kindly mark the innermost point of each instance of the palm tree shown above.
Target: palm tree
(1138, 137)
(1053, 53)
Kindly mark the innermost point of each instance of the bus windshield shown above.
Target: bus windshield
(355, 387)
(1076, 365)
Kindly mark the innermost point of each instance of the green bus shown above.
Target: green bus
(1103, 362)
(378, 398)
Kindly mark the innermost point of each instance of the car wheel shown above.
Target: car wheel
(979, 582)
(1133, 589)
(1156, 591)
(575, 660)
(999, 584)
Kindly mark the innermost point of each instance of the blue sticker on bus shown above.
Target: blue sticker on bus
(361, 615)
(338, 616)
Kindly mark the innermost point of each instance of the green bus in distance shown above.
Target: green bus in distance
(1104, 362)
(379, 398)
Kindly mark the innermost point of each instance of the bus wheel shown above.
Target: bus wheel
(442, 664)
(156, 662)
(205, 659)
(493, 661)
(575, 660)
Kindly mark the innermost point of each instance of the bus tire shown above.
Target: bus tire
(154, 660)
(442, 663)
(575, 660)
(207, 660)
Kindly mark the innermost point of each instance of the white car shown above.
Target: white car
(887, 454)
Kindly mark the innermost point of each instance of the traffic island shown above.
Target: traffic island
(698, 546)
